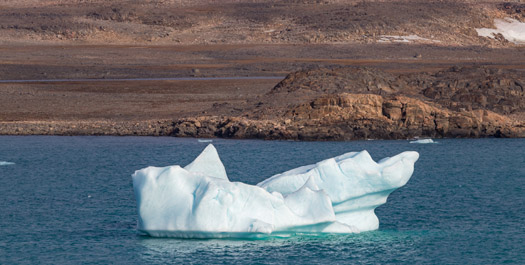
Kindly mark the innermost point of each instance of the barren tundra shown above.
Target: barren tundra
(333, 70)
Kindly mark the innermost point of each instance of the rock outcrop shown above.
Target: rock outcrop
(358, 116)
(364, 103)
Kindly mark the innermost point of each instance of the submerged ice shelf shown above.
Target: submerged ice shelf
(336, 195)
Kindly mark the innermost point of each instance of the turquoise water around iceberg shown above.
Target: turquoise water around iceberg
(70, 200)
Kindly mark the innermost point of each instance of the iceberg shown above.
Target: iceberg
(5, 163)
(423, 141)
(336, 195)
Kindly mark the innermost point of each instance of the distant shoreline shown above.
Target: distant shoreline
(167, 128)
(65, 80)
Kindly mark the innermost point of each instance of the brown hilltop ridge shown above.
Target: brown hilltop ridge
(367, 103)
(449, 22)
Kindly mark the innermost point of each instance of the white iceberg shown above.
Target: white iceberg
(423, 141)
(337, 195)
(5, 163)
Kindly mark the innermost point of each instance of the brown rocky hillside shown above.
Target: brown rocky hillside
(364, 103)
(220, 22)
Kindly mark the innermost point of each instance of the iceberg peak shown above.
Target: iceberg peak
(336, 195)
(208, 163)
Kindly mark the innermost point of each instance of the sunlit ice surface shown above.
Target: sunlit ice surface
(336, 195)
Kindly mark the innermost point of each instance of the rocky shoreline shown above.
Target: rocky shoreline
(343, 104)
(476, 124)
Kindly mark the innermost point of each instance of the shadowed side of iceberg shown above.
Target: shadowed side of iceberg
(355, 183)
(199, 201)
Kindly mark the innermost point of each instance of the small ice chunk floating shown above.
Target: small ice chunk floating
(336, 195)
(423, 141)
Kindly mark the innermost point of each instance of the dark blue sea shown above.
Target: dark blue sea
(69, 200)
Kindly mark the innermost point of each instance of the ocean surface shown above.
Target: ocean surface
(69, 200)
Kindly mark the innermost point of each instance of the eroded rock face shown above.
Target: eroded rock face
(501, 91)
(363, 103)
(358, 116)
(375, 116)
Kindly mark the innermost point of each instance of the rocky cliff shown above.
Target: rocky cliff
(364, 103)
